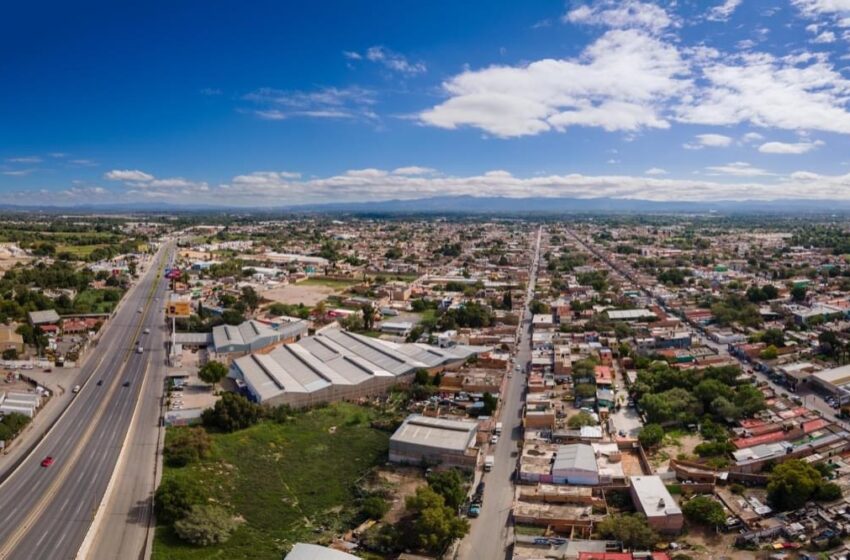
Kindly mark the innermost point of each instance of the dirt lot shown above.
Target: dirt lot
(8, 259)
(706, 545)
(402, 482)
(309, 294)
(675, 443)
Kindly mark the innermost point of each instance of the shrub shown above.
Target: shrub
(205, 525)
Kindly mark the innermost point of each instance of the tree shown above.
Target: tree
(232, 316)
(450, 485)
(798, 293)
(490, 404)
(172, 501)
(10, 354)
(368, 316)
(791, 484)
(374, 507)
(774, 337)
(585, 390)
(828, 492)
(205, 525)
(212, 372)
(186, 445)
(632, 530)
(250, 298)
(651, 435)
(434, 525)
(581, 419)
(232, 412)
(704, 510)
(769, 353)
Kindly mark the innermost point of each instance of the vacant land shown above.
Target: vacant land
(289, 482)
(79, 251)
(308, 294)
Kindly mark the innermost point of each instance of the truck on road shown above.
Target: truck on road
(489, 461)
(498, 430)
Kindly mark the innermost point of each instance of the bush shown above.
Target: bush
(581, 419)
(205, 525)
(232, 412)
(632, 530)
(172, 501)
(186, 445)
(375, 507)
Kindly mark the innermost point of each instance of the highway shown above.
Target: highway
(490, 534)
(47, 511)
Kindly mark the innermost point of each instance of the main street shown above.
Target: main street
(490, 534)
(47, 511)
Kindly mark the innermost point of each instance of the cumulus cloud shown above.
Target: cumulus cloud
(621, 14)
(655, 171)
(820, 7)
(723, 12)
(127, 175)
(708, 141)
(618, 83)
(413, 170)
(789, 148)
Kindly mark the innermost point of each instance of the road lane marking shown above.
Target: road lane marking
(22, 529)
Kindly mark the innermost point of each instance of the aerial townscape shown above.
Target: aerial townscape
(381, 280)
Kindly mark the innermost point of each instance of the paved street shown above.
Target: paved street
(491, 533)
(48, 510)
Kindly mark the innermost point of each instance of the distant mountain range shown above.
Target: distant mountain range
(476, 205)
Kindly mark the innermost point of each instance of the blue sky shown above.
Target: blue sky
(278, 103)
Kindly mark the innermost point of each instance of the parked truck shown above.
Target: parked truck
(498, 430)
(489, 461)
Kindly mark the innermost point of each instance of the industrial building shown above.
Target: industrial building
(651, 498)
(435, 441)
(575, 464)
(337, 365)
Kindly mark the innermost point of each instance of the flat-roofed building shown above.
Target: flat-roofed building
(435, 441)
(652, 498)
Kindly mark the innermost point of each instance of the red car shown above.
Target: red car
(47, 461)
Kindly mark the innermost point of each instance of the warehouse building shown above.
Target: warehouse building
(435, 441)
(337, 365)
(651, 498)
(575, 464)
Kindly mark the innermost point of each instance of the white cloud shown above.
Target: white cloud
(24, 159)
(795, 93)
(708, 141)
(325, 103)
(655, 171)
(18, 172)
(352, 55)
(394, 61)
(618, 83)
(751, 137)
(786, 148)
(128, 175)
(621, 14)
(723, 12)
(816, 7)
(737, 169)
(825, 37)
(413, 170)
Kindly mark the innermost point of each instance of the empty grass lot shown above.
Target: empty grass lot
(290, 482)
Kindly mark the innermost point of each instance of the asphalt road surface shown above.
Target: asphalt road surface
(46, 511)
(490, 534)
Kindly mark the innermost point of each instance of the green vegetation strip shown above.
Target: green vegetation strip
(290, 482)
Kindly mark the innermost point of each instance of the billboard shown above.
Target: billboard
(178, 309)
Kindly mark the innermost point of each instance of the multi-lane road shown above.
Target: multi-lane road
(47, 511)
(491, 534)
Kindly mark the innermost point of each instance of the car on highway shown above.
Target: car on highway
(99, 382)
(47, 461)
(125, 384)
(140, 310)
(76, 389)
(139, 350)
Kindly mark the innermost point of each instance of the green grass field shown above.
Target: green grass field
(81, 251)
(289, 482)
(94, 301)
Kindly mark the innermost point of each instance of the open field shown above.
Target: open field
(308, 294)
(289, 482)
(80, 251)
(338, 285)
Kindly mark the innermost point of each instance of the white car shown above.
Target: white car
(494, 439)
